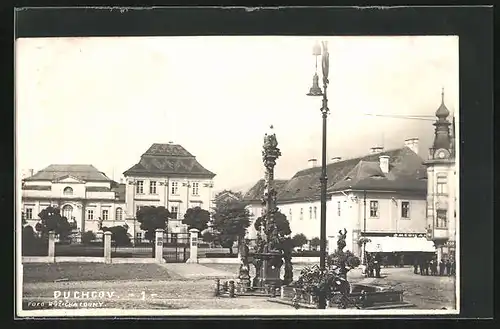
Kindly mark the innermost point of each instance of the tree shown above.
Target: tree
(51, 220)
(299, 240)
(282, 224)
(208, 236)
(230, 221)
(151, 219)
(196, 218)
(315, 242)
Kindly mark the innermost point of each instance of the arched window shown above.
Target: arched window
(68, 191)
(67, 211)
(119, 214)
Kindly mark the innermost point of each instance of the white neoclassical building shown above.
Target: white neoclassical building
(82, 192)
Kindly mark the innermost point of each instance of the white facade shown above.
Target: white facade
(79, 200)
(177, 194)
(441, 203)
(347, 211)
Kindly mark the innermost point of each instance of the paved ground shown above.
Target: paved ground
(189, 286)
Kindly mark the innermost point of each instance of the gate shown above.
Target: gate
(176, 247)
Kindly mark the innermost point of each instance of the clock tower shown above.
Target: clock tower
(441, 185)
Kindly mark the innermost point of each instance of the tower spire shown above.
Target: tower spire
(442, 95)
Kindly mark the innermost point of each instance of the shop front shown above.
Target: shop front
(400, 249)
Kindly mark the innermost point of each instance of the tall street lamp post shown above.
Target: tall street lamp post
(316, 91)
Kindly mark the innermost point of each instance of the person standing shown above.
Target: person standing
(452, 267)
(422, 265)
(448, 267)
(426, 267)
(377, 265)
(415, 265)
(441, 267)
(401, 261)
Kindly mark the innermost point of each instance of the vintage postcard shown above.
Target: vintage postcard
(229, 175)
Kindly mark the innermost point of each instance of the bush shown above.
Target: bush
(33, 245)
(306, 253)
(88, 237)
(220, 255)
(299, 240)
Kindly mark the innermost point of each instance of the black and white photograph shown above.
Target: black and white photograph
(184, 175)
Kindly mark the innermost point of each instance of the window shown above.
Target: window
(90, 214)
(119, 214)
(405, 209)
(152, 187)
(339, 208)
(441, 220)
(138, 235)
(373, 208)
(290, 214)
(68, 191)
(315, 212)
(175, 188)
(441, 182)
(28, 213)
(137, 208)
(196, 188)
(174, 211)
(310, 212)
(139, 187)
(301, 213)
(67, 211)
(105, 214)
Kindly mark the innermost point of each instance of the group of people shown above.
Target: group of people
(373, 265)
(431, 266)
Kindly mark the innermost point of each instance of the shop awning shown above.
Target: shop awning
(399, 244)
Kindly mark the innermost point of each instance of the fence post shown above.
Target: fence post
(107, 247)
(52, 246)
(159, 245)
(193, 249)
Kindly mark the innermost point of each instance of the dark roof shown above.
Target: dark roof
(37, 187)
(168, 159)
(80, 171)
(256, 192)
(119, 190)
(406, 172)
(97, 189)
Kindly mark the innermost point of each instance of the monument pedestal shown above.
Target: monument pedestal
(269, 272)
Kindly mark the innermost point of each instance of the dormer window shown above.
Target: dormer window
(68, 191)
(348, 178)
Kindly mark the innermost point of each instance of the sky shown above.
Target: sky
(105, 100)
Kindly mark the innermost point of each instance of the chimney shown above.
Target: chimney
(312, 163)
(336, 159)
(412, 144)
(384, 163)
(376, 149)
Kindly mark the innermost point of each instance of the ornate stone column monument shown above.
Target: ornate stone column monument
(267, 259)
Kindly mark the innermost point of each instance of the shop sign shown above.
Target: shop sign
(159, 241)
(194, 242)
(409, 235)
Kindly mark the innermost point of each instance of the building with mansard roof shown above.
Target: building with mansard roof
(168, 175)
(380, 195)
(82, 192)
(442, 185)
